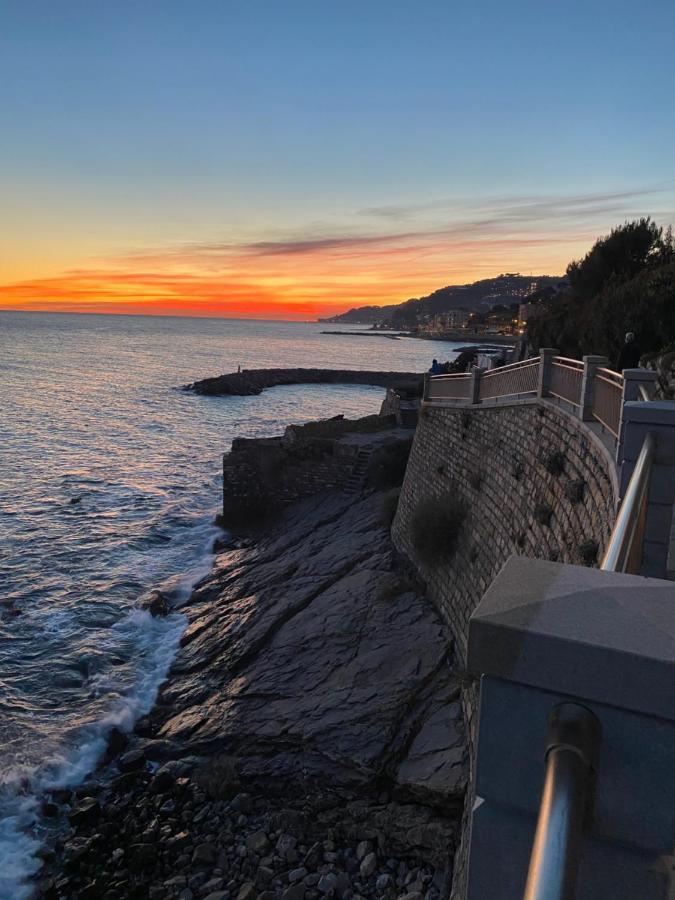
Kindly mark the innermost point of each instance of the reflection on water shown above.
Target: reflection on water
(109, 481)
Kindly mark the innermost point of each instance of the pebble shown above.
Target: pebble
(368, 865)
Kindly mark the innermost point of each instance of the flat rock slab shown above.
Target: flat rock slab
(309, 656)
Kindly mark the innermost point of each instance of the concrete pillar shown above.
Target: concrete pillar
(474, 384)
(640, 418)
(633, 379)
(425, 391)
(547, 633)
(591, 365)
(546, 356)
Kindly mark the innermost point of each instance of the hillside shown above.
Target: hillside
(478, 297)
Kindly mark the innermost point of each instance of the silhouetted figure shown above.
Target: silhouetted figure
(435, 367)
(629, 358)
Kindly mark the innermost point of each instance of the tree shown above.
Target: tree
(622, 254)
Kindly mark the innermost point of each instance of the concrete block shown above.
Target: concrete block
(600, 635)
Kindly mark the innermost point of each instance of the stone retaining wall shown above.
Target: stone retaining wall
(536, 482)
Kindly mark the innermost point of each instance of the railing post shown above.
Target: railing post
(425, 390)
(632, 380)
(474, 384)
(546, 358)
(591, 365)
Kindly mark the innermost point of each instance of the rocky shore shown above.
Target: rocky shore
(308, 744)
(255, 381)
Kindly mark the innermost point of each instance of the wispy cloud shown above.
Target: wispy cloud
(381, 255)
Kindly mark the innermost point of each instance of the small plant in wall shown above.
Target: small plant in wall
(517, 468)
(436, 526)
(476, 478)
(543, 514)
(555, 463)
(574, 490)
(588, 552)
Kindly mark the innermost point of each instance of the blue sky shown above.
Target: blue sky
(138, 127)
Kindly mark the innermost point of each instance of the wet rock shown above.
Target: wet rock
(156, 603)
(257, 842)
(247, 891)
(297, 874)
(368, 865)
(132, 760)
(86, 812)
(204, 855)
(294, 892)
(49, 810)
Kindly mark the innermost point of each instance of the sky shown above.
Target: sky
(291, 159)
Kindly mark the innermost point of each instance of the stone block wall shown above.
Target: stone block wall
(536, 482)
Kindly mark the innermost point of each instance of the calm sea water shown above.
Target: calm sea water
(109, 482)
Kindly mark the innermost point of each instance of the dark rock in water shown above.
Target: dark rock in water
(86, 811)
(156, 603)
(162, 783)
(49, 810)
(117, 742)
(74, 500)
(132, 760)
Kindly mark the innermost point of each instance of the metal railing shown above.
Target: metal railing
(508, 381)
(625, 549)
(571, 751)
(449, 387)
(566, 379)
(607, 399)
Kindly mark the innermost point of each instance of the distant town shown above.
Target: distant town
(495, 306)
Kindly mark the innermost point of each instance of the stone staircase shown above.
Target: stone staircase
(358, 474)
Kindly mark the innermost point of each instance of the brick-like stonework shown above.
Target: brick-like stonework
(536, 483)
(502, 460)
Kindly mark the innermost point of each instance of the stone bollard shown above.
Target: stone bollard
(546, 355)
(591, 366)
(474, 384)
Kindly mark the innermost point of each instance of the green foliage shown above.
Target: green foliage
(588, 552)
(543, 514)
(436, 526)
(626, 251)
(387, 466)
(574, 491)
(476, 479)
(555, 463)
(625, 283)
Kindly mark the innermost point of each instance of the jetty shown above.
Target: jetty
(255, 381)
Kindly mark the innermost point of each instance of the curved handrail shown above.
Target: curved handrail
(624, 551)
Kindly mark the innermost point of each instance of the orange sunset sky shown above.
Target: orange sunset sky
(294, 160)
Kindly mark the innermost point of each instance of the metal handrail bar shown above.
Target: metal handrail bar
(517, 365)
(571, 752)
(453, 375)
(609, 375)
(622, 540)
(563, 360)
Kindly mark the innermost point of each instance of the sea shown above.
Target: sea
(110, 479)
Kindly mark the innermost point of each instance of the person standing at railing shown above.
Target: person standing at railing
(629, 357)
(436, 368)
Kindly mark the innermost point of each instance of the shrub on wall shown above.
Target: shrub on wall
(555, 463)
(543, 513)
(588, 552)
(574, 491)
(435, 528)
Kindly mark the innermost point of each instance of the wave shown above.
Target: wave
(154, 642)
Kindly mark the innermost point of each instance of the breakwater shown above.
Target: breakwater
(254, 381)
